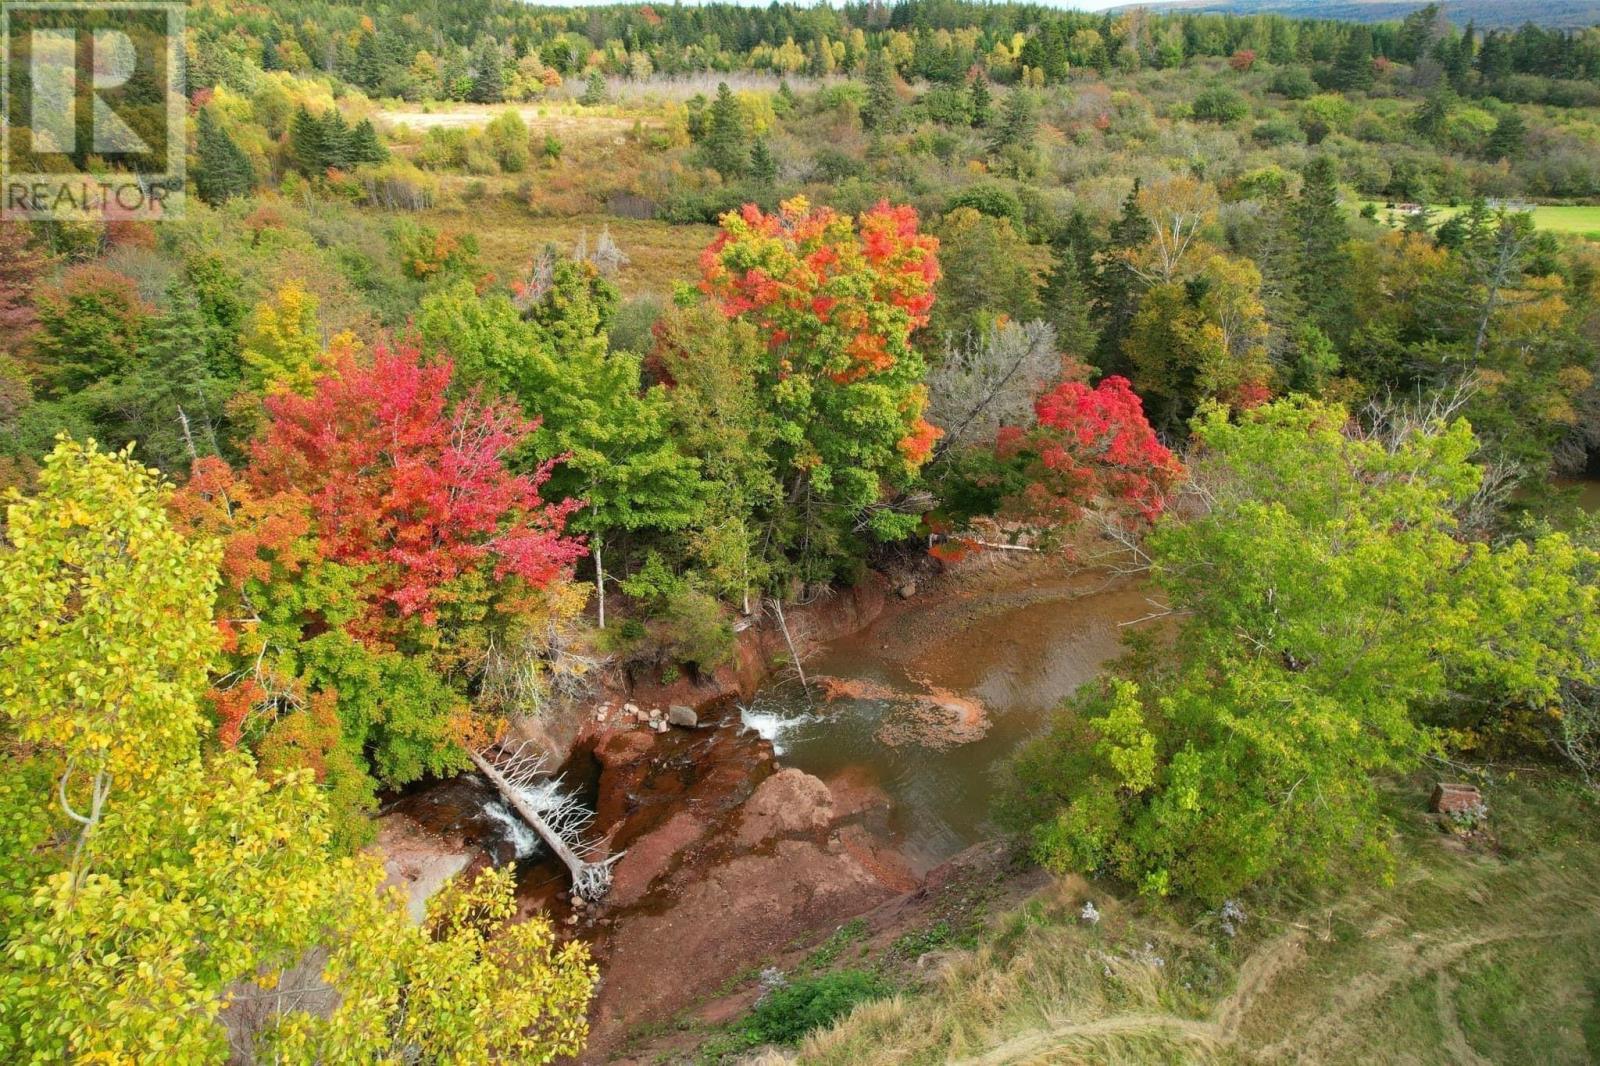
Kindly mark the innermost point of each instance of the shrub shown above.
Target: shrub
(790, 1012)
(1293, 82)
(1276, 131)
(1220, 104)
(993, 200)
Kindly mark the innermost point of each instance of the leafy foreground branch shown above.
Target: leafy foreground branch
(159, 900)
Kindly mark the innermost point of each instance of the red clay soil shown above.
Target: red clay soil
(719, 871)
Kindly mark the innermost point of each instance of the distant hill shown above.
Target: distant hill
(1487, 14)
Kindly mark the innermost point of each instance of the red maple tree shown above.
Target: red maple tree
(21, 266)
(1090, 447)
(401, 479)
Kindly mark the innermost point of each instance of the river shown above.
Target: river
(1018, 651)
(700, 898)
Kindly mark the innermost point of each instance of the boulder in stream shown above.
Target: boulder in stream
(790, 801)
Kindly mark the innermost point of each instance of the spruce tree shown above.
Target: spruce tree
(594, 91)
(879, 112)
(1352, 69)
(489, 78)
(365, 145)
(1323, 271)
(1018, 121)
(221, 169)
(307, 143)
(180, 402)
(1066, 297)
(335, 140)
(1116, 288)
(724, 145)
(982, 102)
(763, 168)
(366, 65)
(1509, 134)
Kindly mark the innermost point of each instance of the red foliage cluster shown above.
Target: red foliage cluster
(21, 266)
(398, 478)
(1090, 445)
(1243, 59)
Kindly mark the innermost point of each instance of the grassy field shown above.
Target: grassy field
(1581, 219)
(1485, 950)
(660, 254)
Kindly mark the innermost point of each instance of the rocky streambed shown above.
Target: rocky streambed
(785, 810)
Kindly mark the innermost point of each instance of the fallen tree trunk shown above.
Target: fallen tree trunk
(590, 880)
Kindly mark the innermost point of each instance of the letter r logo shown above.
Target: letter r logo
(58, 78)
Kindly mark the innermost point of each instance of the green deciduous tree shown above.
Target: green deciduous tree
(1314, 596)
(554, 357)
(91, 326)
(1201, 339)
(836, 304)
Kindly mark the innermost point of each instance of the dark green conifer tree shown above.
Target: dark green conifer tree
(763, 168)
(982, 102)
(488, 76)
(879, 112)
(221, 169)
(724, 145)
(1322, 277)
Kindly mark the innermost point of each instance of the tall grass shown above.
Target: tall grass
(1483, 950)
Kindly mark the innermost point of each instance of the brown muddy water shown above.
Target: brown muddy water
(1019, 655)
(989, 654)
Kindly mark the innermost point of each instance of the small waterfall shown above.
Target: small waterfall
(513, 830)
(774, 727)
(523, 841)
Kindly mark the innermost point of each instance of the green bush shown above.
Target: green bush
(1293, 82)
(1278, 130)
(790, 1012)
(993, 200)
(1220, 104)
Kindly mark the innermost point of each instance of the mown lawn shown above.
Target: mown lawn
(1582, 219)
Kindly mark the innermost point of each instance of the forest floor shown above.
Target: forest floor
(1486, 948)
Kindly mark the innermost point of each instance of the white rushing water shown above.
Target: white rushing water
(513, 830)
(775, 725)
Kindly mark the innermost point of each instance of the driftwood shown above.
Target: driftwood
(561, 827)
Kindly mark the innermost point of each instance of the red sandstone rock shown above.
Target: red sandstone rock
(650, 856)
(769, 899)
(1448, 798)
(624, 748)
(790, 801)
